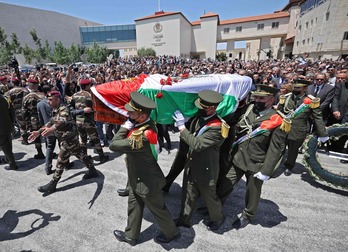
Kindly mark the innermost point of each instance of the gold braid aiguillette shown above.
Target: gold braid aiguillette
(136, 138)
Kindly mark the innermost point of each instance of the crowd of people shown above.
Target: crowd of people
(288, 100)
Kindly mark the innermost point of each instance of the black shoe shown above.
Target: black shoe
(54, 155)
(103, 158)
(3, 160)
(69, 166)
(39, 156)
(50, 171)
(161, 238)
(91, 173)
(123, 192)
(11, 168)
(121, 236)
(213, 226)
(287, 172)
(49, 188)
(342, 161)
(179, 223)
(242, 222)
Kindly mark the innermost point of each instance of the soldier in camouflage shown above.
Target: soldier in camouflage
(81, 104)
(29, 119)
(15, 95)
(63, 126)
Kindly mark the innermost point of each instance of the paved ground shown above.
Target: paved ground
(296, 213)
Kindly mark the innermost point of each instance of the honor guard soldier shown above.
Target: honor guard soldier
(256, 152)
(204, 138)
(137, 137)
(30, 117)
(300, 108)
(64, 128)
(82, 110)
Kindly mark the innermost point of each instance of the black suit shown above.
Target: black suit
(6, 126)
(340, 101)
(326, 95)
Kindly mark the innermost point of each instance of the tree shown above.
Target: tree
(146, 52)
(96, 53)
(221, 56)
(60, 53)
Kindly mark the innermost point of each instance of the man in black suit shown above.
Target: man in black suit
(339, 107)
(324, 91)
(6, 126)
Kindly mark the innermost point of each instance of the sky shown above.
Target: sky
(115, 12)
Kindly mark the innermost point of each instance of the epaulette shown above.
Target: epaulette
(283, 97)
(315, 101)
(225, 128)
(135, 139)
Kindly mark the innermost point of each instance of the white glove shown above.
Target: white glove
(260, 176)
(128, 125)
(323, 139)
(179, 120)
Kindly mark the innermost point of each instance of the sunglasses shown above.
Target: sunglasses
(319, 79)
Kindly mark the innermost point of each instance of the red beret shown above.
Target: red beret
(33, 81)
(3, 78)
(14, 79)
(53, 93)
(85, 82)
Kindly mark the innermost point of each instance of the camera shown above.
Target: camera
(13, 63)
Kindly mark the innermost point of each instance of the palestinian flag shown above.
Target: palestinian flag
(170, 94)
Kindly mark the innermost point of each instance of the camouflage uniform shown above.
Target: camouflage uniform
(30, 118)
(16, 95)
(66, 134)
(85, 121)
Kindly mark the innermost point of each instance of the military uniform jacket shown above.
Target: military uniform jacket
(299, 126)
(144, 174)
(64, 123)
(204, 140)
(29, 110)
(81, 100)
(260, 153)
(16, 95)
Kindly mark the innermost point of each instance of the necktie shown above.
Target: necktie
(316, 91)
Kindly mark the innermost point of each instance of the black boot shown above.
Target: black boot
(39, 154)
(25, 139)
(49, 188)
(103, 158)
(91, 173)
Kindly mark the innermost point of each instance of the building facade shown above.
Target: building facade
(316, 27)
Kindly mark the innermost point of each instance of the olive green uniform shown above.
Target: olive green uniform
(202, 167)
(146, 181)
(300, 126)
(261, 153)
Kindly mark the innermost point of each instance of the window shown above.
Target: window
(300, 27)
(260, 26)
(238, 28)
(306, 25)
(226, 30)
(275, 25)
(303, 41)
(345, 35)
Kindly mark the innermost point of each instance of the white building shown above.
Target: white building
(317, 27)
